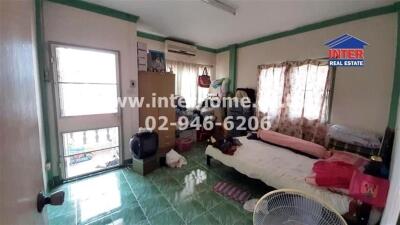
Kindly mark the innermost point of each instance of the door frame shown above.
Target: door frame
(57, 109)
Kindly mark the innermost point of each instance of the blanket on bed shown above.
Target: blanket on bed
(278, 168)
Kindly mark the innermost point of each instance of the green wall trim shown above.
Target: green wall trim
(40, 51)
(326, 23)
(155, 37)
(395, 7)
(323, 24)
(98, 9)
(396, 81)
(232, 67)
(54, 182)
(226, 48)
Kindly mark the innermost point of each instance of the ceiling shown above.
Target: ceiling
(202, 24)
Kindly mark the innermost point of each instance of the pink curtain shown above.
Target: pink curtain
(294, 96)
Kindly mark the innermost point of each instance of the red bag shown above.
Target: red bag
(204, 80)
(369, 189)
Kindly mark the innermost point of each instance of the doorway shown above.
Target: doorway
(86, 88)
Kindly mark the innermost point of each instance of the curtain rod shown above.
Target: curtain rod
(197, 64)
(320, 59)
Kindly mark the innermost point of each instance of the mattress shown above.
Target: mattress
(278, 168)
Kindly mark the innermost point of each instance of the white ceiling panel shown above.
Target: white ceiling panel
(198, 22)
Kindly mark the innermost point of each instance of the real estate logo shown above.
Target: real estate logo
(346, 50)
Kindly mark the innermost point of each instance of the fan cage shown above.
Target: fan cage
(292, 207)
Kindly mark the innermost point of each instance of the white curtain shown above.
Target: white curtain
(186, 81)
(270, 91)
(308, 90)
(295, 97)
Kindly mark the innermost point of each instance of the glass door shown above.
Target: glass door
(86, 89)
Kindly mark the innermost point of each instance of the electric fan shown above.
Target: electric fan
(291, 207)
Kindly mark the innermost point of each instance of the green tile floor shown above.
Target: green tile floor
(166, 196)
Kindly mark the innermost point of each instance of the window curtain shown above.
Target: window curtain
(295, 98)
(186, 81)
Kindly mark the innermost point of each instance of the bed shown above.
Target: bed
(278, 168)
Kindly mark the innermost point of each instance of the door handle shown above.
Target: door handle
(56, 198)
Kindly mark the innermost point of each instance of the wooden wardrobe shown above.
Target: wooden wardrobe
(163, 85)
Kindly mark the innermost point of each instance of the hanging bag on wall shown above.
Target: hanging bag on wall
(204, 80)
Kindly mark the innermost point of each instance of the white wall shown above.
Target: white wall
(79, 27)
(222, 65)
(362, 95)
(202, 57)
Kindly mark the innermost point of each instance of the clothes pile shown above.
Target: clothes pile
(353, 175)
(226, 145)
(174, 160)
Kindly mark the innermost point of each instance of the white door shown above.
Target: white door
(86, 88)
(21, 152)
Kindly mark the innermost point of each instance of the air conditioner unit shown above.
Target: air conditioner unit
(180, 48)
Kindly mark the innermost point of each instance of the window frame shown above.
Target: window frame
(331, 71)
(65, 124)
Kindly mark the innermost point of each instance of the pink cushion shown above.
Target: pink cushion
(350, 158)
(293, 143)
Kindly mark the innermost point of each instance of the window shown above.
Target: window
(271, 82)
(186, 81)
(307, 87)
(87, 81)
(90, 150)
(295, 96)
(88, 118)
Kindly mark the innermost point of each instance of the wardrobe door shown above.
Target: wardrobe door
(167, 136)
(147, 85)
(167, 132)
